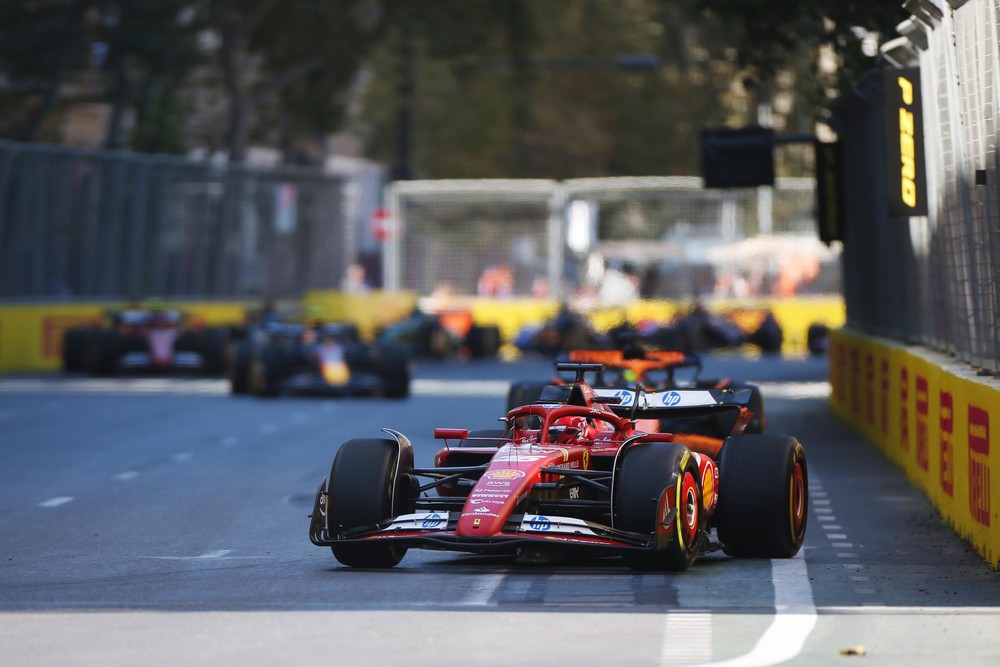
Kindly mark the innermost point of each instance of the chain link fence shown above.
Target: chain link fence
(669, 235)
(108, 225)
(933, 279)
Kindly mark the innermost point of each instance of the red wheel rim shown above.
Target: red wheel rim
(688, 509)
(797, 500)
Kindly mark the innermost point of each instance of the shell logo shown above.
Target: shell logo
(708, 487)
(505, 473)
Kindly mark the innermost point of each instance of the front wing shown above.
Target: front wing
(436, 530)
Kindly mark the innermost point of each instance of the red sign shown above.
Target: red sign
(947, 449)
(53, 328)
(923, 405)
(853, 370)
(884, 396)
(904, 409)
(979, 465)
(870, 388)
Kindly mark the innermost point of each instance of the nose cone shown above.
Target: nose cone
(493, 499)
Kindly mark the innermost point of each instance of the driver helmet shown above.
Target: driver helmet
(567, 429)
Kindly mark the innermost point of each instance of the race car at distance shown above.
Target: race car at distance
(151, 340)
(574, 474)
(315, 358)
(443, 335)
(649, 369)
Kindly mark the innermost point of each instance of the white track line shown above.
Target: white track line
(794, 619)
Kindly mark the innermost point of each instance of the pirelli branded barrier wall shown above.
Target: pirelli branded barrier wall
(31, 335)
(934, 418)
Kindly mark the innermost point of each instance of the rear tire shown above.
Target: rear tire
(73, 348)
(361, 492)
(239, 368)
(763, 496)
(524, 393)
(647, 469)
(395, 371)
(484, 341)
(265, 372)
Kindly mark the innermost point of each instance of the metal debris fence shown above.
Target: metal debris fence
(110, 225)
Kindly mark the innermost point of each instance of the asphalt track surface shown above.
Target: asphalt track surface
(163, 522)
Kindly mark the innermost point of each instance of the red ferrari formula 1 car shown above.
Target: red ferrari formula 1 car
(573, 472)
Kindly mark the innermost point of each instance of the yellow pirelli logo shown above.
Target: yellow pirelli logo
(907, 144)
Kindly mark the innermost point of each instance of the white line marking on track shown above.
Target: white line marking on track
(427, 387)
(56, 502)
(482, 589)
(794, 619)
(221, 554)
(687, 638)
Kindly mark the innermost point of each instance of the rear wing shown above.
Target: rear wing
(672, 403)
(651, 361)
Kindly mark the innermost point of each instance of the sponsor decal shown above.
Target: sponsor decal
(586, 460)
(906, 182)
(624, 396)
(852, 369)
(572, 465)
(482, 510)
(883, 383)
(947, 449)
(870, 388)
(432, 521)
(540, 523)
(671, 398)
(504, 473)
(489, 494)
(904, 409)
(53, 328)
(498, 482)
(923, 406)
(979, 465)
(708, 486)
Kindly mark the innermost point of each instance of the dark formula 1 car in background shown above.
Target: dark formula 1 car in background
(577, 474)
(650, 370)
(319, 358)
(146, 340)
(442, 335)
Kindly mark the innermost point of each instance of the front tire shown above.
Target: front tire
(647, 470)
(362, 491)
(763, 496)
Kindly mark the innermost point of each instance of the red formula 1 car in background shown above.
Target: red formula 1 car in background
(151, 340)
(575, 473)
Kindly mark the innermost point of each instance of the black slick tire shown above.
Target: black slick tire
(763, 496)
(361, 491)
(646, 470)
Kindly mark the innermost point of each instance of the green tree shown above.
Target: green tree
(542, 89)
(44, 47)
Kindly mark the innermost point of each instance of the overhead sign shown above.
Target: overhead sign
(904, 139)
(829, 192)
(737, 158)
